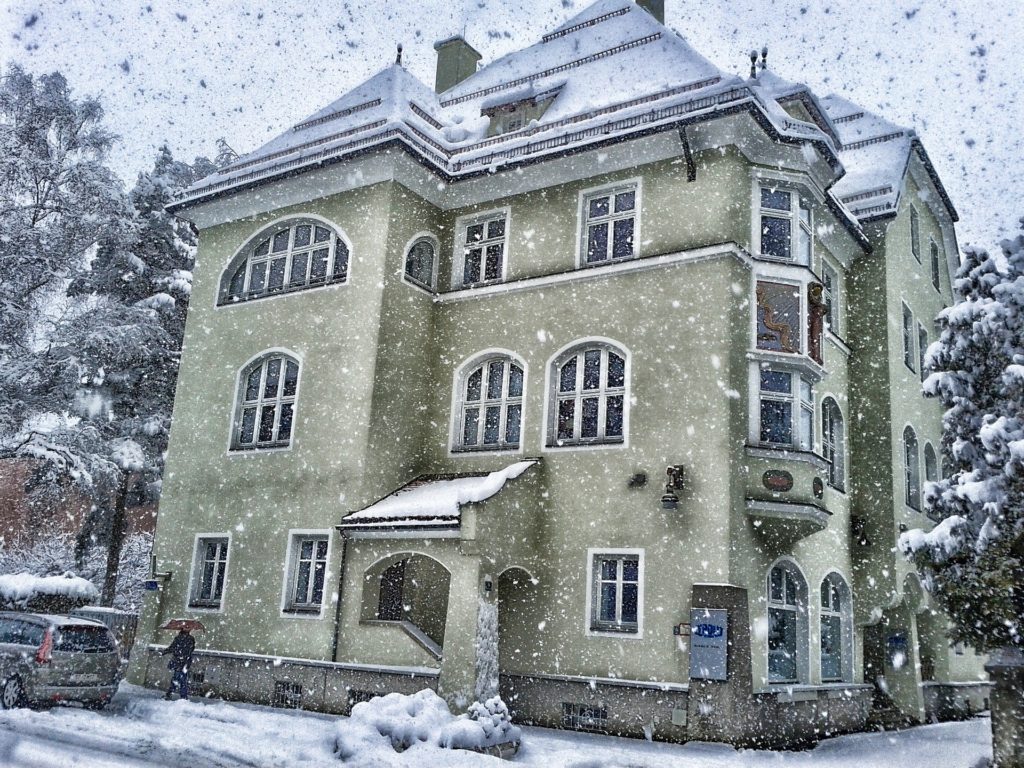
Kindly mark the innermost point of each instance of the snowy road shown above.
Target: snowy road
(139, 730)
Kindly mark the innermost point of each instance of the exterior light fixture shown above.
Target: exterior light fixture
(674, 482)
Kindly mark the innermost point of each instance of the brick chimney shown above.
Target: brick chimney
(654, 7)
(456, 60)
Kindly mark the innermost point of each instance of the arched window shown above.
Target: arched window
(836, 629)
(589, 398)
(931, 464)
(288, 257)
(490, 412)
(833, 442)
(911, 469)
(787, 624)
(421, 263)
(266, 403)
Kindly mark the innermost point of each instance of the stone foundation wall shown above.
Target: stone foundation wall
(955, 701)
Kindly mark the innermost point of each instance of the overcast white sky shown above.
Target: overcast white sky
(186, 73)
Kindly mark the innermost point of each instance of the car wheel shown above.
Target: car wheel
(12, 694)
(96, 706)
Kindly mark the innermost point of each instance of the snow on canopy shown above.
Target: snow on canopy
(20, 588)
(433, 500)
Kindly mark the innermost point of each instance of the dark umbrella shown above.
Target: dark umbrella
(190, 625)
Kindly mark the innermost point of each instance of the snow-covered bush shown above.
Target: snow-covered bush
(404, 722)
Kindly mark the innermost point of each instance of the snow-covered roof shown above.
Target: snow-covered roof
(613, 71)
(434, 501)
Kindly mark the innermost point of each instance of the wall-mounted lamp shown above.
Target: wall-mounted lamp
(488, 584)
(674, 482)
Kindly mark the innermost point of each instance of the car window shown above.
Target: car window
(20, 632)
(84, 640)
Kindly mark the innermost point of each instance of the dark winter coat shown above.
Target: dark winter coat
(180, 650)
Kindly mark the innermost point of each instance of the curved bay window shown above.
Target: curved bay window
(490, 406)
(787, 624)
(289, 257)
(589, 397)
(266, 409)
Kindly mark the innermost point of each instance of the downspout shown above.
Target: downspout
(337, 603)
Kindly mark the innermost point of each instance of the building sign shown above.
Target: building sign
(709, 642)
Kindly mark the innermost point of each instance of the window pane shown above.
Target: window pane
(318, 267)
(252, 385)
(616, 370)
(267, 423)
(776, 199)
(781, 644)
(258, 277)
(775, 237)
(598, 207)
(492, 421)
(597, 242)
(276, 281)
(805, 247)
(776, 381)
(831, 648)
(515, 381)
(273, 377)
(291, 379)
(613, 417)
(625, 201)
(302, 582)
(513, 420)
(319, 571)
(495, 379)
(306, 549)
(262, 249)
(206, 590)
(775, 584)
(471, 267)
(474, 233)
(790, 590)
(592, 369)
(805, 391)
(218, 587)
(340, 260)
(470, 425)
(237, 281)
(622, 245)
(629, 603)
(284, 430)
(609, 569)
(298, 274)
(608, 594)
(303, 233)
(419, 265)
(589, 426)
(630, 570)
(566, 414)
(567, 377)
(492, 271)
(248, 425)
(322, 235)
(473, 385)
(776, 422)
(281, 241)
(496, 228)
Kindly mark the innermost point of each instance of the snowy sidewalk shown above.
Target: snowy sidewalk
(139, 729)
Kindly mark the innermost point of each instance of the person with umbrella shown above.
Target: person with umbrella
(180, 651)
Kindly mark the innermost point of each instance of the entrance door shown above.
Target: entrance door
(392, 584)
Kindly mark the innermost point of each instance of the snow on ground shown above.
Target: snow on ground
(140, 730)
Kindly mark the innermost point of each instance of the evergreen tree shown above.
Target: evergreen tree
(973, 560)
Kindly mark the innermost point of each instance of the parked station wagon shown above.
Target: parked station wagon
(47, 659)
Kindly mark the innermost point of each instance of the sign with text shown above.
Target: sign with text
(709, 642)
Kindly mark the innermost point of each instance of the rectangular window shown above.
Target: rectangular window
(615, 592)
(782, 631)
(786, 226)
(778, 317)
(915, 233)
(786, 404)
(831, 647)
(922, 349)
(210, 566)
(483, 249)
(935, 266)
(308, 558)
(609, 225)
(908, 337)
(830, 296)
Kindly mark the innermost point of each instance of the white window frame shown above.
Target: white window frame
(289, 607)
(593, 594)
(415, 240)
(844, 613)
(831, 296)
(192, 602)
(907, 320)
(800, 227)
(800, 407)
(461, 245)
(235, 446)
(833, 442)
(225, 298)
(634, 185)
(800, 612)
(460, 380)
(553, 396)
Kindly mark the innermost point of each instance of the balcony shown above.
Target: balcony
(785, 493)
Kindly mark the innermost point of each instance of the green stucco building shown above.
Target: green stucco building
(601, 361)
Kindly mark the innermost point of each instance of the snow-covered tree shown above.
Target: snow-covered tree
(973, 560)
